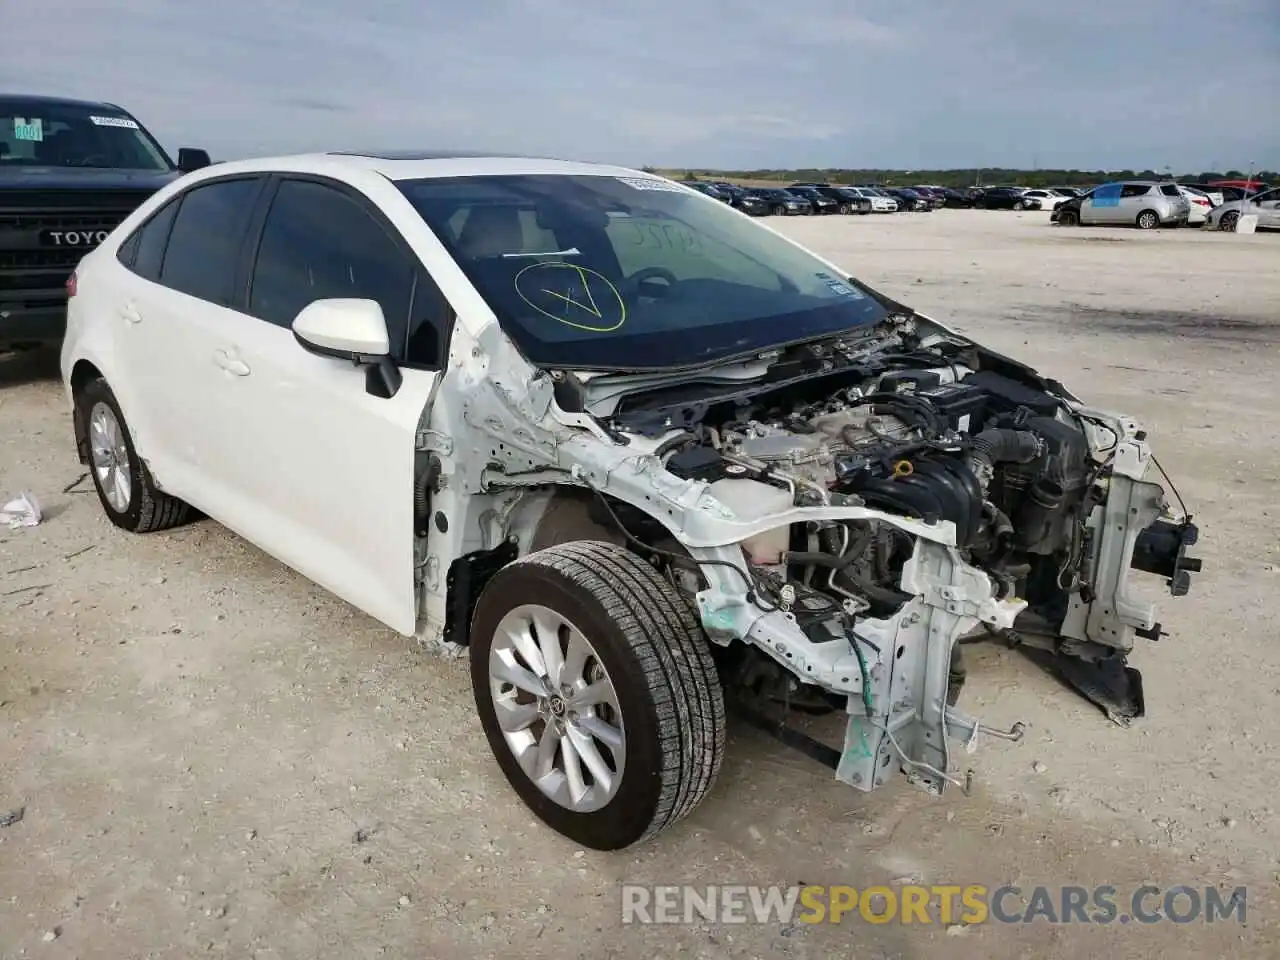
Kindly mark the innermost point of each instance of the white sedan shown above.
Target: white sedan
(1049, 199)
(1265, 206)
(1200, 204)
(593, 427)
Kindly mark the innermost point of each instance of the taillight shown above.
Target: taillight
(71, 285)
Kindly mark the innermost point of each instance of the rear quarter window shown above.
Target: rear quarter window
(1170, 190)
(150, 242)
(206, 239)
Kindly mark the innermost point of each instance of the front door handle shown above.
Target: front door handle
(130, 313)
(233, 365)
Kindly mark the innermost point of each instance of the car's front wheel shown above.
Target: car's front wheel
(1068, 218)
(597, 692)
(1229, 221)
(126, 490)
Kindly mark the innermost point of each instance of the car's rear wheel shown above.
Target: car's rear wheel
(1229, 221)
(597, 692)
(1148, 220)
(126, 490)
(1068, 218)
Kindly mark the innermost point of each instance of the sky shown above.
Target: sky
(899, 84)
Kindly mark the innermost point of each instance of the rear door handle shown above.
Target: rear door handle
(130, 313)
(233, 365)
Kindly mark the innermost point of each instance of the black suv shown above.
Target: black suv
(70, 171)
(742, 199)
(820, 202)
(846, 200)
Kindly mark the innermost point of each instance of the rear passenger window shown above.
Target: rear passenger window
(318, 243)
(1170, 190)
(205, 242)
(151, 239)
(1134, 190)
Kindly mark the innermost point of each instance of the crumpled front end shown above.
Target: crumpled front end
(839, 529)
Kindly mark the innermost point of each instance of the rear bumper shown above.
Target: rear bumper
(43, 324)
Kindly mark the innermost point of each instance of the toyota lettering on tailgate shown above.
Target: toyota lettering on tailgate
(72, 238)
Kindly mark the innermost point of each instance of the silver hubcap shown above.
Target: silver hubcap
(1148, 220)
(557, 708)
(110, 457)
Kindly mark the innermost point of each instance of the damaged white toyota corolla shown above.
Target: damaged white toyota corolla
(640, 454)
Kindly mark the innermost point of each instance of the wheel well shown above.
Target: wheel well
(82, 374)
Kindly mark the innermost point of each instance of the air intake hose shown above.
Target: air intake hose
(1000, 445)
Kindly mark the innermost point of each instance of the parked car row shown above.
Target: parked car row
(1149, 204)
(808, 199)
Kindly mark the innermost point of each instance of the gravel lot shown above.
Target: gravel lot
(218, 759)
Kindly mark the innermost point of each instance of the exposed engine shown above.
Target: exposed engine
(1009, 464)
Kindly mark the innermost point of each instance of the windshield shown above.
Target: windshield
(631, 273)
(52, 134)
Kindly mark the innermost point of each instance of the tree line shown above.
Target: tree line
(962, 178)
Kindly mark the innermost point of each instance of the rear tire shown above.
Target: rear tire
(128, 494)
(1147, 220)
(595, 606)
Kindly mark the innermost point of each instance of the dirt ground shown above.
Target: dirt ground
(218, 759)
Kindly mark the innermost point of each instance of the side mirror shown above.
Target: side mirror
(190, 159)
(352, 330)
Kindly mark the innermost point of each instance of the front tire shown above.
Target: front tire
(128, 494)
(778, 210)
(1068, 218)
(1229, 221)
(597, 692)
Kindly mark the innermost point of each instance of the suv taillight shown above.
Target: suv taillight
(71, 285)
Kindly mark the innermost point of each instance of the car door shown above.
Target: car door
(1101, 205)
(1134, 198)
(183, 280)
(327, 468)
(1267, 207)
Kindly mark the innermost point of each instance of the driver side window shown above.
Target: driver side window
(317, 243)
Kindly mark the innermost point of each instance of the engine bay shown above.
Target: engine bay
(936, 430)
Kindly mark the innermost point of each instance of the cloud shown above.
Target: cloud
(896, 83)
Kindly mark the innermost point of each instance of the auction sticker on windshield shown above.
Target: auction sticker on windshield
(24, 129)
(114, 122)
(839, 286)
(649, 183)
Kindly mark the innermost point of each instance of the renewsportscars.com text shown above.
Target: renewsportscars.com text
(936, 903)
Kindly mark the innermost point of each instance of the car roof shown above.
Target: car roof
(421, 164)
(48, 101)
